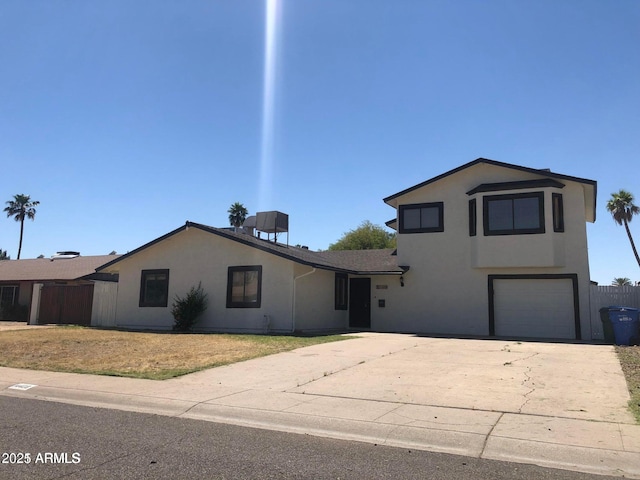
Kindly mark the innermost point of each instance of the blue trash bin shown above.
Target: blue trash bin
(625, 324)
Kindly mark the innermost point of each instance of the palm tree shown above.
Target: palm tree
(237, 214)
(19, 208)
(621, 282)
(622, 208)
(3, 255)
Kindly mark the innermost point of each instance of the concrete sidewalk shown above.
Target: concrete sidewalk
(554, 405)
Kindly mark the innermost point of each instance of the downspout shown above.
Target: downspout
(293, 303)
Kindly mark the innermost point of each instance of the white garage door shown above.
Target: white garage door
(540, 308)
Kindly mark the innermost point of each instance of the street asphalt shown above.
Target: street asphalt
(555, 405)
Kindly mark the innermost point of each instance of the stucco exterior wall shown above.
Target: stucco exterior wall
(194, 256)
(446, 288)
(391, 316)
(315, 301)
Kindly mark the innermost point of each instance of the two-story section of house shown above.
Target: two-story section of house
(492, 248)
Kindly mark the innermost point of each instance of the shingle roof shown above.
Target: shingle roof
(355, 261)
(365, 261)
(47, 269)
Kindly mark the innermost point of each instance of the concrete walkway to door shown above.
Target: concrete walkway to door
(556, 405)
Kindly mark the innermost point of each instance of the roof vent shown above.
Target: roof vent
(64, 255)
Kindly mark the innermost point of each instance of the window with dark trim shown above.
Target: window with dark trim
(244, 286)
(9, 294)
(154, 288)
(341, 291)
(472, 218)
(558, 212)
(515, 214)
(422, 218)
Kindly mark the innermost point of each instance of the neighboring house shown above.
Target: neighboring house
(488, 248)
(56, 290)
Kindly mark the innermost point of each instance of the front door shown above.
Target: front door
(360, 303)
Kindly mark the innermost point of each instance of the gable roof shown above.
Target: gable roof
(591, 184)
(46, 269)
(357, 262)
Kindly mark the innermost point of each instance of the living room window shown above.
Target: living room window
(516, 214)
(244, 285)
(341, 291)
(154, 288)
(422, 218)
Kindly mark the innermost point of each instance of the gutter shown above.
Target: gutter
(293, 303)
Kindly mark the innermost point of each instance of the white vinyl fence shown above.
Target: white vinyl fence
(606, 296)
(103, 312)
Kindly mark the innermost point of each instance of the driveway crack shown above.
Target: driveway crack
(486, 439)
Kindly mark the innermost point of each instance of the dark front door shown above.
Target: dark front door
(360, 303)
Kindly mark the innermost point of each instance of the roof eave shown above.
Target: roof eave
(143, 247)
(224, 234)
(390, 200)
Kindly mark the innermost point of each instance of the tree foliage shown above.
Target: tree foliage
(621, 282)
(237, 214)
(622, 208)
(186, 310)
(3, 255)
(366, 237)
(19, 208)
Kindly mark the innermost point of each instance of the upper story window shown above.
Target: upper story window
(472, 217)
(422, 217)
(558, 212)
(244, 287)
(154, 288)
(515, 214)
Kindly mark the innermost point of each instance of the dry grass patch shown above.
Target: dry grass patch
(630, 361)
(137, 354)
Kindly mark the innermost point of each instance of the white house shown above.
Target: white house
(488, 248)
(253, 284)
(495, 249)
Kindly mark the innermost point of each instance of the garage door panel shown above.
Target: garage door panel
(541, 308)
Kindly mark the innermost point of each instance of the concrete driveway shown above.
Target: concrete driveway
(551, 379)
(557, 405)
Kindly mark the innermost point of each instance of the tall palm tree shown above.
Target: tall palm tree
(19, 208)
(621, 282)
(622, 209)
(237, 214)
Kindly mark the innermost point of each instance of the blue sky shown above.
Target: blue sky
(127, 118)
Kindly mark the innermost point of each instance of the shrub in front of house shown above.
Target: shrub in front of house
(187, 309)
